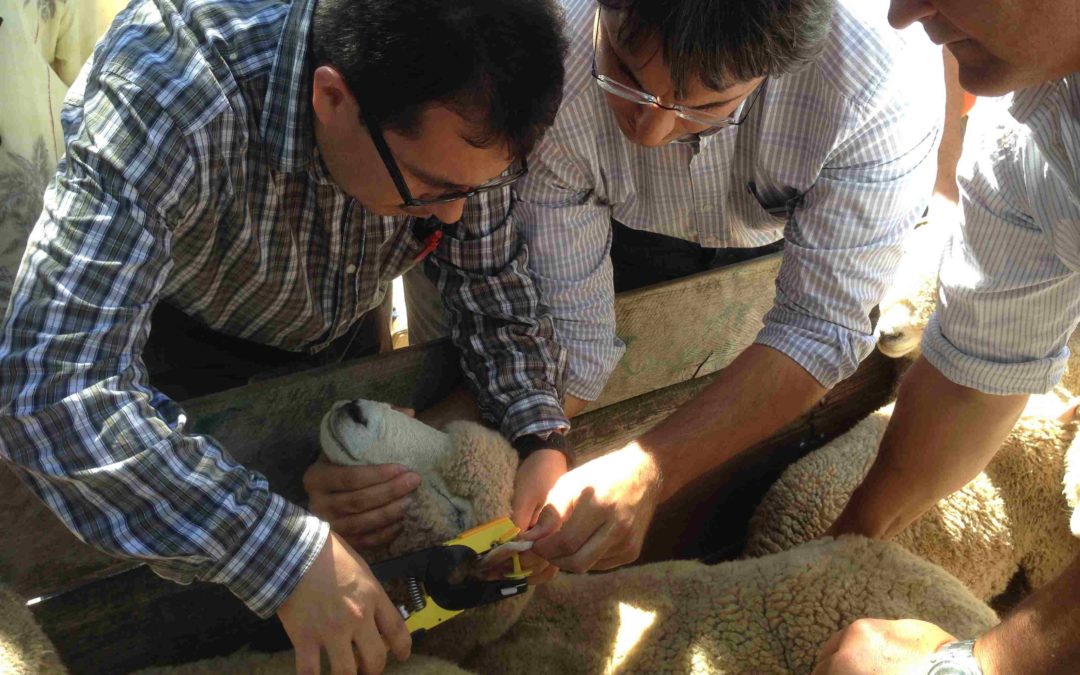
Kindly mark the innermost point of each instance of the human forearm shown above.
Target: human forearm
(1039, 636)
(757, 394)
(940, 436)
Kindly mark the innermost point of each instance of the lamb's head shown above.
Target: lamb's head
(369, 432)
(467, 479)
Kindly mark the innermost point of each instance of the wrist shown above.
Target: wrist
(527, 444)
(955, 657)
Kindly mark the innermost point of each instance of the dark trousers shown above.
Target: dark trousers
(186, 359)
(644, 258)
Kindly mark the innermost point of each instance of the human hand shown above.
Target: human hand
(340, 607)
(881, 647)
(597, 514)
(532, 483)
(363, 504)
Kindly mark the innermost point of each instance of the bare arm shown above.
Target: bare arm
(598, 513)
(941, 435)
(757, 394)
(1039, 636)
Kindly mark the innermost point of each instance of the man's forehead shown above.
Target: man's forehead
(642, 52)
(444, 150)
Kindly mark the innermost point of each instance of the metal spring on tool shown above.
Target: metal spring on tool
(416, 595)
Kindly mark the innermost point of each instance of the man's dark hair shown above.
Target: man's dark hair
(722, 42)
(497, 63)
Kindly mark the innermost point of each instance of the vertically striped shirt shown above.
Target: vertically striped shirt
(192, 176)
(837, 158)
(1009, 292)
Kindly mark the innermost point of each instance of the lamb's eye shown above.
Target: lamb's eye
(356, 413)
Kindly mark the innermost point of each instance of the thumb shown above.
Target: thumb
(547, 524)
(521, 512)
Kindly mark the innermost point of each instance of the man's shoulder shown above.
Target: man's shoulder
(191, 57)
(867, 63)
(578, 27)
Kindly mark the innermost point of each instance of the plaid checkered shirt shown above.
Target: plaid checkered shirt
(192, 176)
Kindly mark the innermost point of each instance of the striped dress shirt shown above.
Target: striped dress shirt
(838, 159)
(1009, 291)
(192, 176)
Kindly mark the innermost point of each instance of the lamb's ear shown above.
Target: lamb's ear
(480, 467)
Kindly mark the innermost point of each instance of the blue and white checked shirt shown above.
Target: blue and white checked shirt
(1009, 292)
(843, 152)
(192, 175)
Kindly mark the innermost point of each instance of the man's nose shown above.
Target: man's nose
(448, 212)
(903, 13)
(653, 125)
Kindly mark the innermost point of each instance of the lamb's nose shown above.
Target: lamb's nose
(356, 412)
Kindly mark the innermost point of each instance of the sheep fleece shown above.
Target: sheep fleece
(1012, 516)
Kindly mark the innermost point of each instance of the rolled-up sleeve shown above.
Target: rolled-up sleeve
(1007, 302)
(505, 335)
(79, 422)
(845, 234)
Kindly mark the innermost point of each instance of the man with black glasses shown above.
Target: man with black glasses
(241, 184)
(692, 134)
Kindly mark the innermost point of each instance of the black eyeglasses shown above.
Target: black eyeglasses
(623, 91)
(407, 200)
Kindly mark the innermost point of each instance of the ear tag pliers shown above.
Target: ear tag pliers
(437, 579)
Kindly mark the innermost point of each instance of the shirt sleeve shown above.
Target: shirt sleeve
(1007, 303)
(568, 229)
(506, 337)
(79, 422)
(844, 235)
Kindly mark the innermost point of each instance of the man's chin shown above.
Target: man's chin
(984, 74)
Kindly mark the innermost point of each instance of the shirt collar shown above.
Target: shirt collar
(286, 119)
(1027, 102)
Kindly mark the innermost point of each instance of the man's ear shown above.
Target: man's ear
(331, 99)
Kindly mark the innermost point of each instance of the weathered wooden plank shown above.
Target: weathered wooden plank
(674, 332)
(688, 328)
(134, 620)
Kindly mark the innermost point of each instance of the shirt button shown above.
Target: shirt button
(705, 208)
(351, 269)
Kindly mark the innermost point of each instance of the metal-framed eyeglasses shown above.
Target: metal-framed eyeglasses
(515, 172)
(704, 117)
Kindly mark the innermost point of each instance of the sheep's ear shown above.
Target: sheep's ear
(480, 467)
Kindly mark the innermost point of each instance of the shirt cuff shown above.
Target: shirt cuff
(534, 414)
(1002, 378)
(829, 352)
(279, 549)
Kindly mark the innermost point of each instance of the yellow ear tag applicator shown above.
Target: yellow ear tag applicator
(429, 575)
(491, 538)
